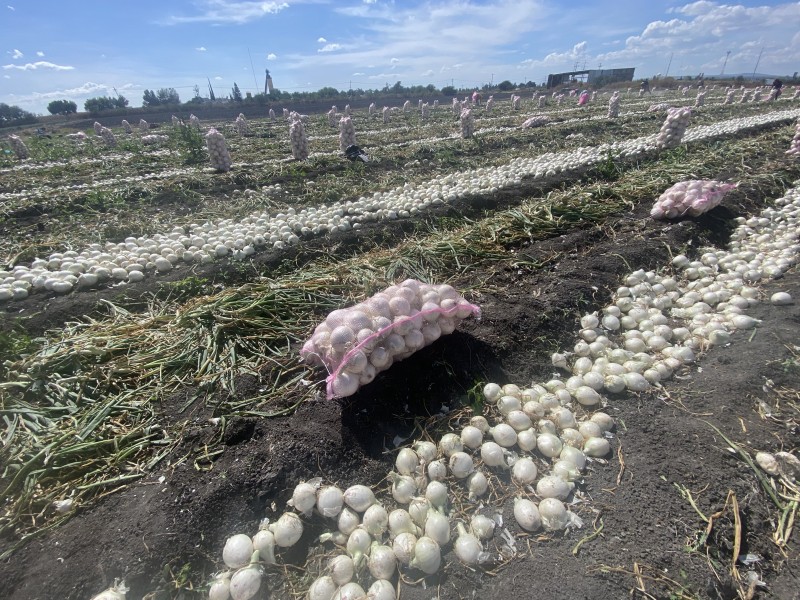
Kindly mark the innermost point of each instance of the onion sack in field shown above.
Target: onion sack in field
(355, 344)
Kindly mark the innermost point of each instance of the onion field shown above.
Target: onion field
(236, 363)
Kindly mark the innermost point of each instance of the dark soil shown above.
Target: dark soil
(169, 529)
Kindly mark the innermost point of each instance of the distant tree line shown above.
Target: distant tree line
(14, 115)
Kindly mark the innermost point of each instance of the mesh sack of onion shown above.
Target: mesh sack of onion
(355, 344)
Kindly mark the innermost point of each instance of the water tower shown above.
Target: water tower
(268, 84)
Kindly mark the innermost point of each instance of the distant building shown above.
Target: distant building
(592, 76)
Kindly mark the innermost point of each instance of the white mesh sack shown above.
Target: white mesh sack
(692, 197)
(355, 344)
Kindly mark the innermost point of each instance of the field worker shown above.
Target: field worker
(583, 99)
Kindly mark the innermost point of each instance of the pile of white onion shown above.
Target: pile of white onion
(347, 133)
(126, 126)
(108, 136)
(242, 126)
(700, 99)
(18, 146)
(298, 139)
(144, 126)
(613, 106)
(467, 123)
(536, 121)
(729, 97)
(674, 127)
(218, 151)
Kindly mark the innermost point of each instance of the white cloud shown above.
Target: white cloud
(217, 78)
(39, 53)
(6, 76)
(201, 48)
(369, 1)
(394, 61)
(330, 48)
(40, 64)
(321, 40)
(453, 31)
(272, 56)
(578, 51)
(82, 91)
(9, 7)
(358, 74)
(228, 12)
(704, 31)
(15, 54)
(427, 73)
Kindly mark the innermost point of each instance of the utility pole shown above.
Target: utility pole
(725, 64)
(669, 64)
(252, 68)
(758, 61)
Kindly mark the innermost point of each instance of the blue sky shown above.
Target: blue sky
(76, 50)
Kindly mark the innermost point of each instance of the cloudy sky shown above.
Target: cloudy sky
(50, 49)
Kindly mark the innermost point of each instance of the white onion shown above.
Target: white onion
(418, 509)
(450, 444)
(426, 451)
(264, 542)
(492, 455)
(323, 588)
(437, 471)
(403, 547)
(527, 514)
(375, 520)
(329, 501)
(504, 435)
(348, 520)
(245, 583)
(382, 561)
(358, 545)
(518, 420)
(381, 590)
(480, 423)
(304, 498)
(596, 447)
(287, 530)
(482, 527)
(477, 484)
(549, 445)
(524, 471)
(553, 513)
(349, 591)
(467, 547)
(407, 462)
(237, 551)
(471, 437)
(427, 556)
(342, 569)
(436, 493)
(400, 521)
(461, 464)
(437, 527)
(551, 486)
(359, 497)
(403, 488)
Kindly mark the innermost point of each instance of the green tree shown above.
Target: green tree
(14, 115)
(101, 103)
(168, 96)
(448, 90)
(62, 107)
(149, 98)
(505, 86)
(236, 93)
